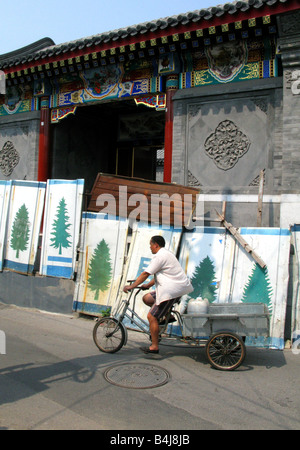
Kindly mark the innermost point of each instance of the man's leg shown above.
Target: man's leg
(154, 315)
(154, 330)
(149, 299)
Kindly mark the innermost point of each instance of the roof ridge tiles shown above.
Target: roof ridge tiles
(46, 47)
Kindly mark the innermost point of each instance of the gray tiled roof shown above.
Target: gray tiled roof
(46, 47)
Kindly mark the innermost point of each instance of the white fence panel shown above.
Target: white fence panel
(207, 254)
(23, 225)
(295, 328)
(140, 256)
(102, 251)
(61, 227)
(222, 271)
(5, 189)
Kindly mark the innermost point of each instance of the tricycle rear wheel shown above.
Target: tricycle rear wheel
(225, 350)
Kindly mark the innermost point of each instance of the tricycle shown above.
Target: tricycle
(222, 330)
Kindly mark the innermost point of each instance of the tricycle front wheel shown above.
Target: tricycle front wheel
(109, 335)
(225, 350)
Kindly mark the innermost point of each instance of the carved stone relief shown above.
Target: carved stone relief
(9, 158)
(192, 180)
(228, 141)
(226, 145)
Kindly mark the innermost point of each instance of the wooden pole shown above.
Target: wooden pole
(260, 198)
(241, 241)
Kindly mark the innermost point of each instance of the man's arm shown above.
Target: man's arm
(149, 285)
(140, 279)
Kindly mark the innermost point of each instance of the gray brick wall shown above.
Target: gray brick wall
(291, 135)
(255, 102)
(179, 143)
(276, 163)
(282, 175)
(289, 43)
(23, 131)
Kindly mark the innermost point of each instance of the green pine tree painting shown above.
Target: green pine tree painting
(203, 280)
(60, 228)
(258, 289)
(20, 231)
(100, 269)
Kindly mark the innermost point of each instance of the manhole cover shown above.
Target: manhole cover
(137, 376)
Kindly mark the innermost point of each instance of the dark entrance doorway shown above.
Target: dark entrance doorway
(117, 137)
(137, 161)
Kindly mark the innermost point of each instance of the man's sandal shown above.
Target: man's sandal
(148, 350)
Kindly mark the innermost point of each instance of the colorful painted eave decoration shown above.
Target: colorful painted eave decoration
(111, 90)
(231, 61)
(18, 106)
(251, 71)
(213, 62)
(152, 101)
(58, 114)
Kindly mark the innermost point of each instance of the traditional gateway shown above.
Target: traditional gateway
(208, 98)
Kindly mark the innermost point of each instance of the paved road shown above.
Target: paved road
(52, 377)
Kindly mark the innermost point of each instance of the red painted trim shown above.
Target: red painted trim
(44, 146)
(168, 137)
(226, 18)
(168, 152)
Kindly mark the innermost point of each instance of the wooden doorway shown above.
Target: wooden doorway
(137, 161)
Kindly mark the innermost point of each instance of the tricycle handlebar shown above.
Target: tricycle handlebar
(137, 287)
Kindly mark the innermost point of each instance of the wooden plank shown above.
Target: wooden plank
(176, 208)
(135, 185)
(241, 241)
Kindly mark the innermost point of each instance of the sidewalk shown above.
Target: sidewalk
(52, 377)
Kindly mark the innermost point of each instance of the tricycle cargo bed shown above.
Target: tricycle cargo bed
(244, 319)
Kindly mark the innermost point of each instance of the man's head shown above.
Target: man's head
(156, 242)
